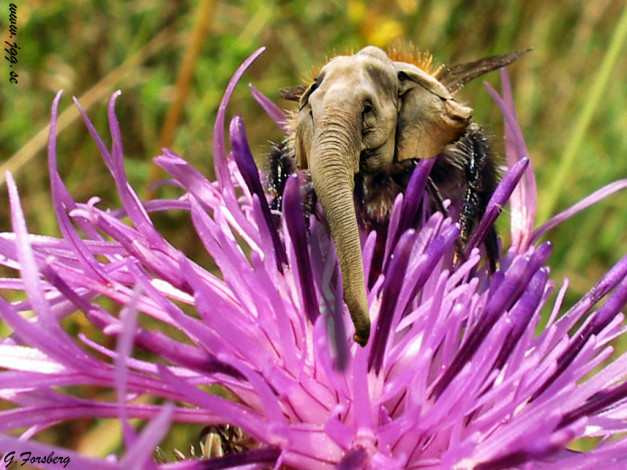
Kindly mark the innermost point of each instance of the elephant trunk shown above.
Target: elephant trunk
(334, 161)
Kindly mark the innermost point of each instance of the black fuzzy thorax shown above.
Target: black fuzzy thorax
(375, 193)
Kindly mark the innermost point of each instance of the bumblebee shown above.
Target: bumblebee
(363, 124)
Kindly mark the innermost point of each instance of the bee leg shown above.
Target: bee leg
(280, 165)
(481, 178)
(436, 197)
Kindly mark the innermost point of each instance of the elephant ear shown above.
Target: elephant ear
(429, 118)
(304, 129)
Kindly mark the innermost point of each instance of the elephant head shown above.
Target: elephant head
(363, 113)
(347, 122)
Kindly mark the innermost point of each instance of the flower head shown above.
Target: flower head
(453, 377)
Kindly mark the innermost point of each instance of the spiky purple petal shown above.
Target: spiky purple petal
(295, 223)
(247, 167)
(276, 113)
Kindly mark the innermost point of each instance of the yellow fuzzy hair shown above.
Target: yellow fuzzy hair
(399, 52)
(410, 54)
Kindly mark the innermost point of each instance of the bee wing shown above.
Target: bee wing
(292, 94)
(455, 77)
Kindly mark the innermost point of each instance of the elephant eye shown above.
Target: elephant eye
(304, 99)
(367, 118)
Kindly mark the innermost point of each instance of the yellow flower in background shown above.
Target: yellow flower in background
(408, 6)
(357, 11)
(376, 28)
(385, 32)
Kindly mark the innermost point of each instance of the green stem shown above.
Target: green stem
(591, 103)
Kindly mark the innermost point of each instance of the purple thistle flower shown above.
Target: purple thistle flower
(454, 377)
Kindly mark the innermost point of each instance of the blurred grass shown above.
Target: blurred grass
(173, 68)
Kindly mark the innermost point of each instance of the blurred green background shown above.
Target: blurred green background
(172, 61)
